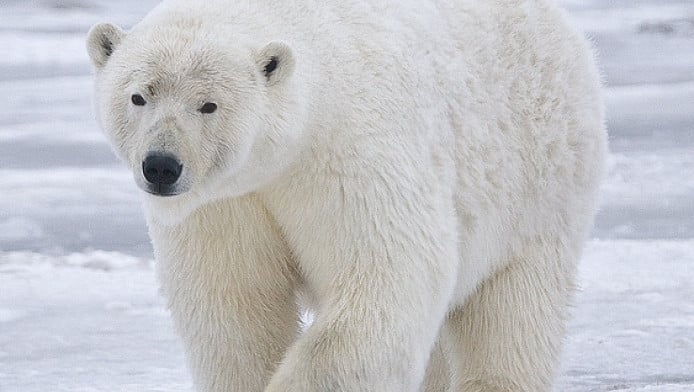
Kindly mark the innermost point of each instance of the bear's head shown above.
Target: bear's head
(197, 116)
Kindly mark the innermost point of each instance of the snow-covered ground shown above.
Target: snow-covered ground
(79, 308)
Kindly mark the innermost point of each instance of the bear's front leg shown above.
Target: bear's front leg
(226, 274)
(381, 259)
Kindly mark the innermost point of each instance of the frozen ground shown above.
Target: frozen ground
(79, 309)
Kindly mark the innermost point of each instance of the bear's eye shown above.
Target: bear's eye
(137, 100)
(208, 108)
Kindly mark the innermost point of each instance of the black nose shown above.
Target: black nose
(161, 169)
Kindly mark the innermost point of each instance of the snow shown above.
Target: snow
(79, 303)
(87, 321)
(633, 326)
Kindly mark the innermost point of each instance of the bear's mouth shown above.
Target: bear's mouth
(162, 190)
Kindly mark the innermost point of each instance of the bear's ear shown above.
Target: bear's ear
(102, 40)
(275, 61)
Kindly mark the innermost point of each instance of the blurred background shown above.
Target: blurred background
(79, 308)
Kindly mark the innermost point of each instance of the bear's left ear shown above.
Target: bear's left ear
(276, 62)
(102, 40)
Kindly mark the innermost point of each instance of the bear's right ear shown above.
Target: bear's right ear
(276, 62)
(102, 40)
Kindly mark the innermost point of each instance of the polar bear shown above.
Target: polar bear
(421, 174)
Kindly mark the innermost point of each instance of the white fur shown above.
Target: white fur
(417, 171)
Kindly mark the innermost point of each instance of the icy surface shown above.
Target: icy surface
(79, 307)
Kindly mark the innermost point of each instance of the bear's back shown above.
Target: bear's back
(507, 83)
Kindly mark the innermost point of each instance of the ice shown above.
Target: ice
(79, 302)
